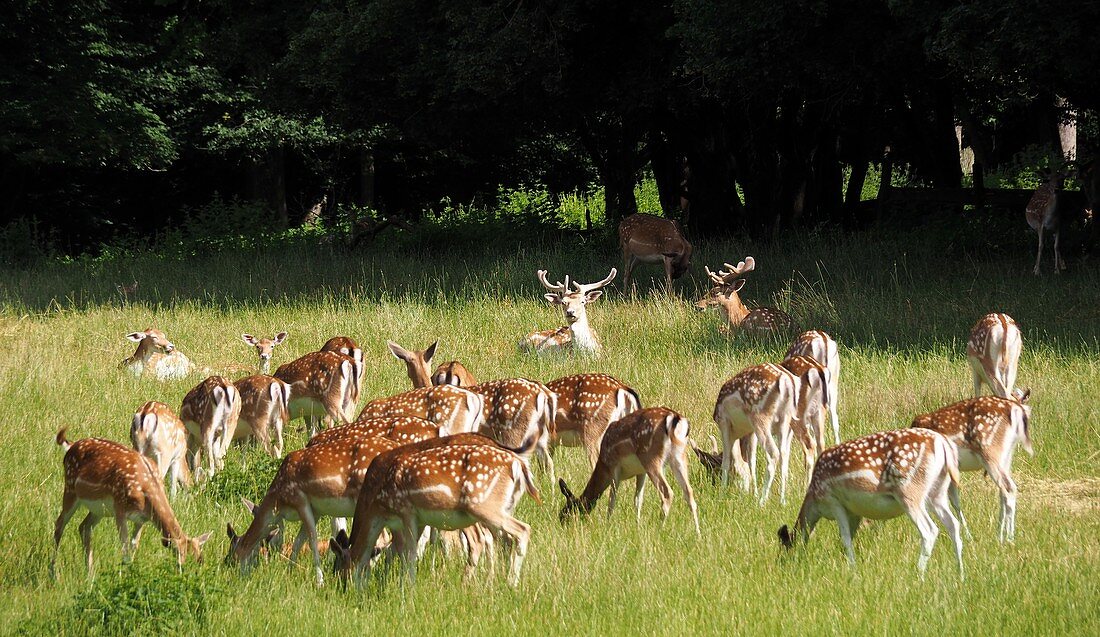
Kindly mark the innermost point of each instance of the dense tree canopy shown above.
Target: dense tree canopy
(122, 114)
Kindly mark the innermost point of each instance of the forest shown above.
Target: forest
(123, 120)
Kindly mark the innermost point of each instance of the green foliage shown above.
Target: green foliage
(246, 475)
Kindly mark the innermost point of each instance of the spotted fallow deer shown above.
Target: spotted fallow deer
(587, 404)
(449, 483)
(210, 412)
(518, 409)
(986, 431)
(453, 373)
(649, 239)
(811, 405)
(157, 355)
(264, 348)
(821, 347)
(454, 409)
(323, 479)
(321, 386)
(1042, 215)
(757, 405)
(265, 411)
(401, 429)
(347, 346)
(881, 476)
(578, 335)
(417, 362)
(109, 479)
(640, 445)
(724, 295)
(158, 434)
(993, 353)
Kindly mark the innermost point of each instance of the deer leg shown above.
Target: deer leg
(473, 550)
(277, 424)
(748, 452)
(668, 273)
(727, 453)
(773, 452)
(135, 536)
(542, 449)
(123, 533)
(68, 507)
(613, 495)
(629, 262)
(410, 534)
(1040, 252)
(663, 490)
(927, 528)
(844, 525)
(208, 444)
(639, 493)
(520, 534)
(299, 540)
(784, 439)
(679, 463)
(942, 509)
(953, 496)
(1008, 509)
(1059, 262)
(86, 528)
(309, 529)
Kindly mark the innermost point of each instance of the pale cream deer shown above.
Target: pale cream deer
(821, 347)
(649, 239)
(320, 480)
(321, 388)
(640, 445)
(724, 294)
(156, 355)
(265, 411)
(210, 412)
(449, 483)
(882, 476)
(110, 480)
(158, 434)
(987, 431)
(578, 335)
(993, 352)
(265, 347)
(586, 405)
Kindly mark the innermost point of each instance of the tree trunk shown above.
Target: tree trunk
(666, 172)
(366, 177)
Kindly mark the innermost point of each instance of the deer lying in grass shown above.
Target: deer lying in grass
(158, 434)
(210, 412)
(265, 347)
(157, 355)
(724, 295)
(882, 476)
(641, 444)
(578, 335)
(586, 405)
(108, 479)
(650, 239)
(993, 352)
(986, 431)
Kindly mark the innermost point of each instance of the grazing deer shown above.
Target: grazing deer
(264, 348)
(321, 383)
(158, 434)
(758, 403)
(210, 412)
(450, 483)
(1042, 214)
(454, 409)
(882, 476)
(109, 479)
(156, 355)
(724, 295)
(993, 352)
(324, 479)
(641, 444)
(348, 347)
(986, 431)
(417, 363)
(402, 429)
(453, 373)
(811, 405)
(578, 335)
(265, 411)
(819, 346)
(650, 239)
(517, 409)
(586, 405)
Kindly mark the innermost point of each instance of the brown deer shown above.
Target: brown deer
(649, 239)
(157, 355)
(811, 405)
(321, 388)
(109, 479)
(449, 483)
(993, 352)
(757, 405)
(724, 295)
(264, 348)
(821, 347)
(454, 409)
(158, 434)
(265, 411)
(453, 373)
(210, 412)
(1042, 214)
(348, 347)
(986, 431)
(324, 479)
(402, 429)
(586, 405)
(881, 476)
(578, 335)
(517, 409)
(417, 363)
(639, 445)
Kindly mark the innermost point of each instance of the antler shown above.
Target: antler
(733, 272)
(559, 287)
(588, 287)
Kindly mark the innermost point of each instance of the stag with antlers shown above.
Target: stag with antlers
(724, 295)
(578, 334)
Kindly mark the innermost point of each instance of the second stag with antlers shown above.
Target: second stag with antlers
(578, 335)
(724, 295)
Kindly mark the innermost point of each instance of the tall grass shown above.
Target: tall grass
(900, 307)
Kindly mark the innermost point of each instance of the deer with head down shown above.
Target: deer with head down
(650, 239)
(726, 285)
(578, 335)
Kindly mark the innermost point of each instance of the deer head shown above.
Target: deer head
(152, 340)
(725, 285)
(417, 362)
(264, 348)
(573, 302)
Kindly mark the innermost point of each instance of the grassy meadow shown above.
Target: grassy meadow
(900, 307)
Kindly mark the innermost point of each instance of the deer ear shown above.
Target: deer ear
(593, 295)
(430, 352)
(136, 337)
(738, 285)
(203, 538)
(249, 339)
(554, 299)
(280, 337)
(248, 504)
(400, 352)
(230, 532)
(565, 489)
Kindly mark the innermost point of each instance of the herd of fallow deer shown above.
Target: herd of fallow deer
(450, 459)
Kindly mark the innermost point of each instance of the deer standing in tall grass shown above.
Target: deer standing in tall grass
(265, 411)
(578, 335)
(821, 347)
(265, 347)
(158, 434)
(993, 352)
(586, 405)
(647, 238)
(108, 479)
(724, 294)
(210, 412)
(1042, 214)
(323, 387)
